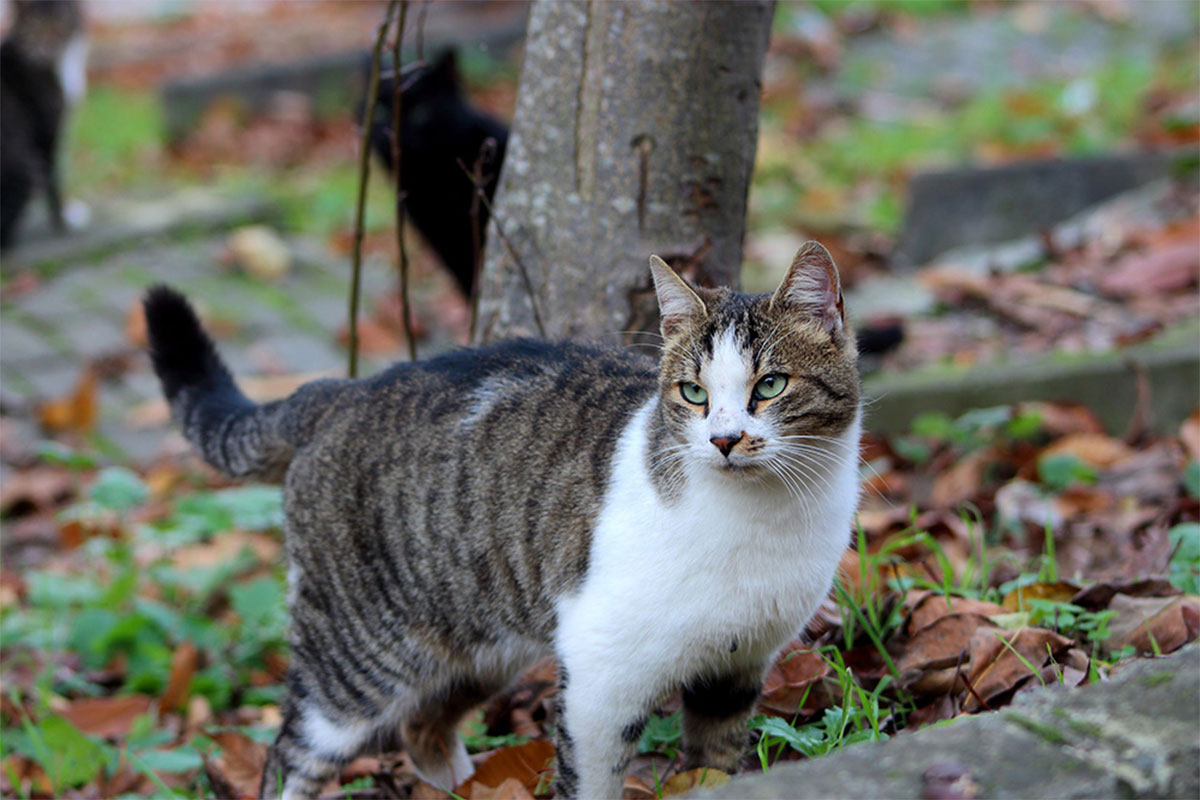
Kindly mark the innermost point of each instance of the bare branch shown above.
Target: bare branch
(364, 165)
(421, 29)
(401, 195)
(486, 151)
(537, 317)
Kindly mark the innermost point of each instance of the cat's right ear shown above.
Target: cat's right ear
(677, 302)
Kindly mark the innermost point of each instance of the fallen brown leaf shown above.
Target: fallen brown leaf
(943, 642)
(240, 764)
(1189, 434)
(36, 489)
(107, 716)
(1079, 500)
(1059, 592)
(1162, 269)
(961, 481)
(183, 666)
(225, 547)
(510, 789)
(199, 712)
(1095, 449)
(1153, 624)
(940, 709)
(637, 789)
(424, 791)
(523, 762)
(1060, 419)
(928, 607)
(694, 779)
(997, 669)
(135, 325)
(791, 679)
(1099, 595)
(75, 411)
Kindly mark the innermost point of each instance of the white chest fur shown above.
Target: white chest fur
(722, 577)
(72, 69)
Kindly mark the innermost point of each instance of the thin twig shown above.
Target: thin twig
(970, 688)
(364, 164)
(537, 317)
(401, 195)
(485, 153)
(421, 29)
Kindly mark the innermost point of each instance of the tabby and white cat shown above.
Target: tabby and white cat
(448, 521)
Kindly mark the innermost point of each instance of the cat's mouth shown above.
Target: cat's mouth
(746, 468)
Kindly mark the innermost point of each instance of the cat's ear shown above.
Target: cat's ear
(677, 302)
(812, 284)
(444, 69)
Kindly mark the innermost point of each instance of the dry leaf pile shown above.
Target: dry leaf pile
(1089, 540)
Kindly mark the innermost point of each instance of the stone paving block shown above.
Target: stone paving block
(14, 385)
(20, 344)
(1131, 736)
(296, 352)
(121, 225)
(48, 306)
(978, 205)
(50, 378)
(92, 336)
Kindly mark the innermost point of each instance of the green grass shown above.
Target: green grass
(854, 169)
(114, 145)
(114, 142)
(135, 607)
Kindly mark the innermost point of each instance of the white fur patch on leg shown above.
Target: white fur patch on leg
(333, 740)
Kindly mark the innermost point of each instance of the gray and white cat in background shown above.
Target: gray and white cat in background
(43, 73)
(655, 526)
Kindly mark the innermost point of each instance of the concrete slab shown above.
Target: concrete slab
(1107, 384)
(1134, 736)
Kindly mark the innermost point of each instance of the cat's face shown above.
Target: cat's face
(757, 384)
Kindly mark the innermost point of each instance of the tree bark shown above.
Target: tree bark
(635, 132)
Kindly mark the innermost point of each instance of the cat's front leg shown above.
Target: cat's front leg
(599, 720)
(715, 710)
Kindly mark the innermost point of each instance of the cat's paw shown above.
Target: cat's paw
(77, 215)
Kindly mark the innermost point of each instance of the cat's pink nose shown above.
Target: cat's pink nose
(725, 443)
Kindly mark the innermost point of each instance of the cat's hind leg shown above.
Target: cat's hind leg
(327, 722)
(310, 750)
(430, 732)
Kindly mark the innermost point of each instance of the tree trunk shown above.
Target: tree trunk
(634, 133)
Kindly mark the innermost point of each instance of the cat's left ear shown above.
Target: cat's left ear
(812, 283)
(676, 300)
(444, 69)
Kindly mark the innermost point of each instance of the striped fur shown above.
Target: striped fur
(450, 520)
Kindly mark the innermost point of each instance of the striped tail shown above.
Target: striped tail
(230, 431)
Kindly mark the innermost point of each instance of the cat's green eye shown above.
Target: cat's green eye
(770, 386)
(694, 393)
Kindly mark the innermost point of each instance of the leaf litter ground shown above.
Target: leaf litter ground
(144, 627)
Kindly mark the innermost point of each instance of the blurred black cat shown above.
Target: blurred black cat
(439, 129)
(42, 72)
